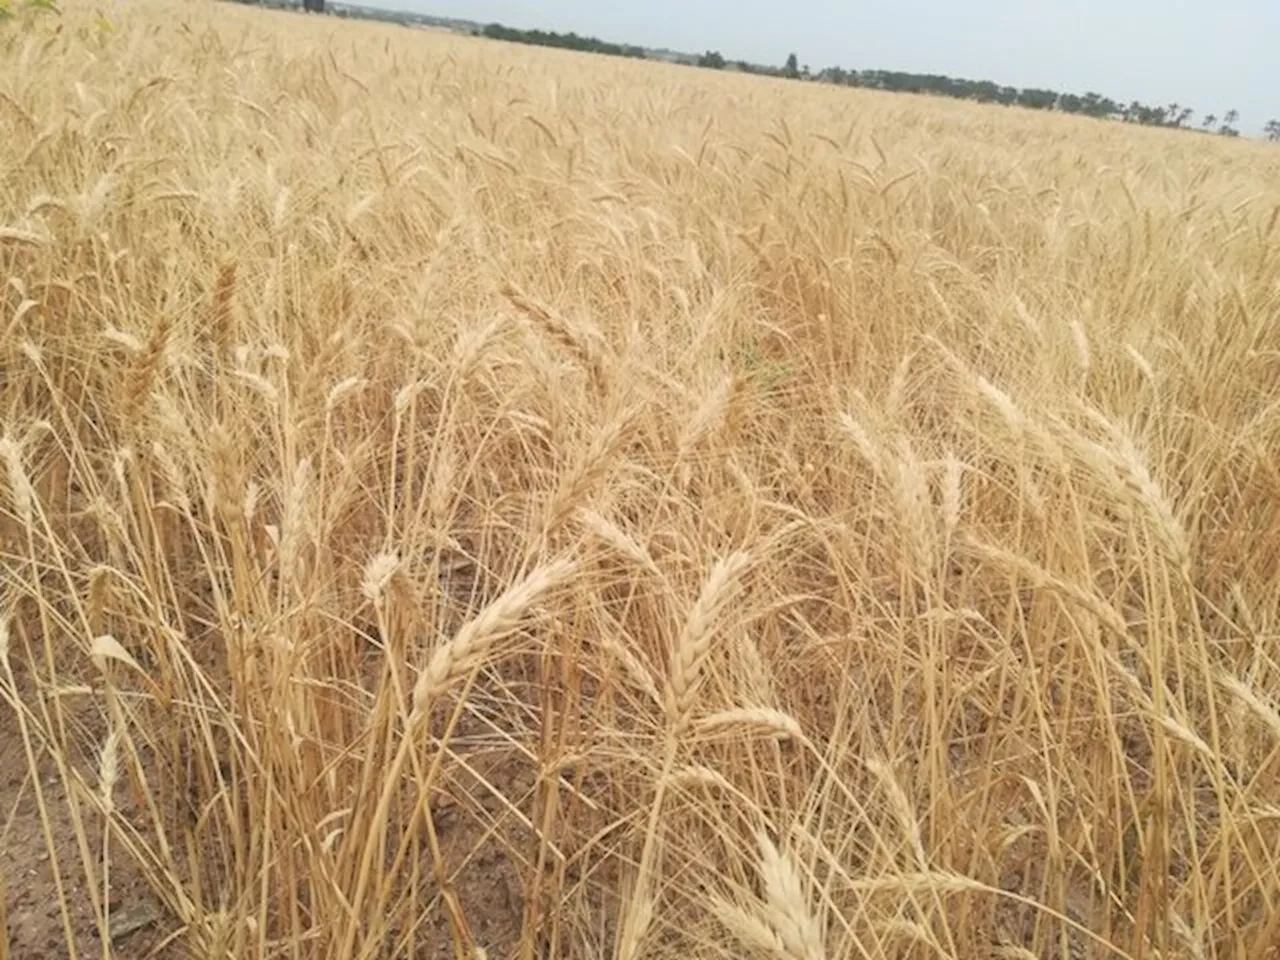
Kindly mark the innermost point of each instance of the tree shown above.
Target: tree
(1089, 104)
(1070, 103)
(1138, 112)
(565, 41)
(1228, 128)
(711, 59)
(1210, 120)
(1096, 105)
(1272, 130)
(1037, 99)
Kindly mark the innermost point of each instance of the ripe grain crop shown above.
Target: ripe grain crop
(462, 499)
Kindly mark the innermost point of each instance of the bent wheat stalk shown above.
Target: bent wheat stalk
(464, 653)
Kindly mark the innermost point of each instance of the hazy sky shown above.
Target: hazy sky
(1209, 54)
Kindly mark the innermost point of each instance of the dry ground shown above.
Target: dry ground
(458, 497)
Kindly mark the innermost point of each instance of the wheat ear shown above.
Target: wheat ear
(469, 647)
(764, 720)
(20, 488)
(781, 925)
(697, 633)
(787, 907)
(583, 343)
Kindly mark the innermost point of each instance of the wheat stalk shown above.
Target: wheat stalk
(344, 388)
(579, 340)
(752, 930)
(745, 720)
(472, 645)
(862, 439)
(781, 924)
(694, 640)
(294, 521)
(1261, 708)
(709, 415)
(222, 325)
(20, 488)
(1171, 533)
(787, 903)
(123, 339)
(378, 573)
(1010, 412)
(1080, 340)
(698, 775)
(1087, 599)
(635, 669)
(589, 467)
(146, 368)
(901, 809)
(609, 533)
(914, 505)
(229, 490)
(952, 495)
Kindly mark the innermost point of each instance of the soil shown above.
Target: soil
(32, 905)
(487, 884)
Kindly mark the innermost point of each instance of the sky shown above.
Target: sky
(1213, 56)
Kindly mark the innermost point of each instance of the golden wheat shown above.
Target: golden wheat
(464, 496)
(697, 633)
(472, 645)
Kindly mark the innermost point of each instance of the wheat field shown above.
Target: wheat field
(463, 500)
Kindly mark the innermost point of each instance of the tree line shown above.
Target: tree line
(1090, 104)
(564, 41)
